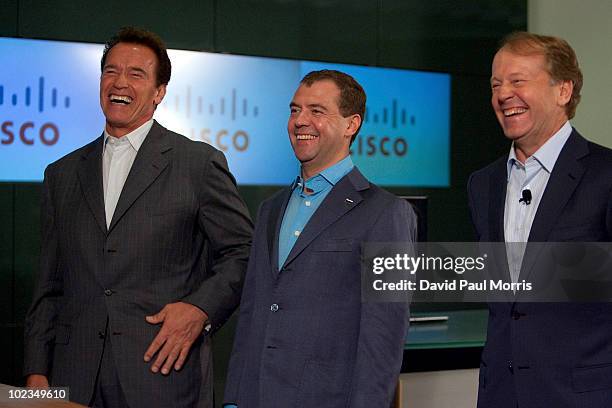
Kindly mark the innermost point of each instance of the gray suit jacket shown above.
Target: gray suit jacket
(180, 232)
(304, 337)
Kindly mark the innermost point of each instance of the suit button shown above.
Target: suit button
(274, 307)
(108, 292)
(101, 335)
(510, 367)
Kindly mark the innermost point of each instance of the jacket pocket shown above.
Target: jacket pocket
(592, 378)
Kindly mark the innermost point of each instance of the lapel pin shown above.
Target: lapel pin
(348, 201)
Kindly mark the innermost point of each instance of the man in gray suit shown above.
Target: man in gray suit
(144, 247)
(304, 336)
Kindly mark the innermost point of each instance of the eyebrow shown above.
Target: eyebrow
(131, 69)
(316, 105)
(138, 69)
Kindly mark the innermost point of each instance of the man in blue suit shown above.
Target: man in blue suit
(553, 186)
(304, 336)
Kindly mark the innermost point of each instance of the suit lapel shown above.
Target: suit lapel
(273, 229)
(343, 197)
(564, 179)
(90, 178)
(148, 165)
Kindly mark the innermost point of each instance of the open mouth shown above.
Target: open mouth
(514, 111)
(120, 99)
(305, 137)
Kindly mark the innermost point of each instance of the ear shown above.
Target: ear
(354, 121)
(160, 93)
(566, 88)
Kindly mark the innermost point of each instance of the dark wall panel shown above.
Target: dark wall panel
(332, 30)
(7, 230)
(185, 25)
(446, 35)
(7, 318)
(27, 247)
(8, 22)
(27, 243)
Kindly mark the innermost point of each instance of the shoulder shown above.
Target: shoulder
(480, 178)
(276, 199)
(72, 159)
(600, 155)
(378, 199)
(185, 145)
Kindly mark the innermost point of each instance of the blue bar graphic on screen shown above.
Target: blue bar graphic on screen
(49, 106)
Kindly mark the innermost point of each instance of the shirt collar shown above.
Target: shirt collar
(135, 137)
(329, 176)
(548, 153)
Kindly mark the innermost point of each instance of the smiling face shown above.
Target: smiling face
(529, 105)
(129, 92)
(320, 136)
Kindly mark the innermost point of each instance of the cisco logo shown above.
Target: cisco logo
(230, 108)
(29, 132)
(386, 145)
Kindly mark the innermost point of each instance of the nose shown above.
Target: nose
(301, 118)
(504, 92)
(120, 81)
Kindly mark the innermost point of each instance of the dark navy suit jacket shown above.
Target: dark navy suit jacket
(304, 337)
(549, 354)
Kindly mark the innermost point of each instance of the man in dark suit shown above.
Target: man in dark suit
(144, 248)
(554, 186)
(304, 336)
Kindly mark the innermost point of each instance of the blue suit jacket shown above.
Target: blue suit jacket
(549, 354)
(304, 338)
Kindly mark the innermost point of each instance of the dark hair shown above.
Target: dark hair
(560, 58)
(140, 36)
(352, 96)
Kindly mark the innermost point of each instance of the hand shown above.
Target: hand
(37, 381)
(182, 324)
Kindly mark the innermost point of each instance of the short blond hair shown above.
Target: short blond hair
(560, 57)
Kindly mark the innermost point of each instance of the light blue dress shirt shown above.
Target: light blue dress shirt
(306, 197)
(532, 175)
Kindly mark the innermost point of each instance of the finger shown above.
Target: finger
(157, 318)
(182, 356)
(157, 342)
(162, 355)
(171, 359)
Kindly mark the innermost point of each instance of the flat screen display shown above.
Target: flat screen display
(49, 106)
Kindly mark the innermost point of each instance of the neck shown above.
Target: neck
(525, 147)
(308, 170)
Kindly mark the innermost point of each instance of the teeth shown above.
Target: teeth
(120, 99)
(305, 137)
(514, 111)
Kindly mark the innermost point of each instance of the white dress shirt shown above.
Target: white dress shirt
(118, 156)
